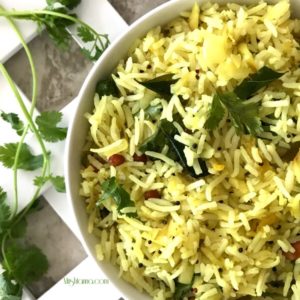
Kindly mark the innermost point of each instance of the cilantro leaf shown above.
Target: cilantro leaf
(4, 211)
(9, 289)
(182, 290)
(26, 264)
(58, 182)
(47, 124)
(14, 120)
(107, 87)
(27, 161)
(165, 136)
(19, 229)
(255, 82)
(40, 180)
(111, 189)
(244, 116)
(68, 3)
(160, 85)
(85, 34)
(152, 112)
(216, 114)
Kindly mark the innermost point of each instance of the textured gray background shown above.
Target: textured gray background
(60, 77)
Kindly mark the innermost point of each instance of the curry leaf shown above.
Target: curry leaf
(165, 136)
(14, 120)
(256, 81)
(107, 87)
(27, 161)
(161, 85)
(111, 189)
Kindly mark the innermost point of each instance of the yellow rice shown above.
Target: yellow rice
(231, 227)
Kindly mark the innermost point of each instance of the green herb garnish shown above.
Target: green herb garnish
(25, 264)
(27, 161)
(4, 211)
(58, 182)
(107, 87)
(182, 290)
(152, 112)
(47, 125)
(14, 120)
(255, 82)
(160, 85)
(55, 19)
(244, 116)
(111, 189)
(165, 136)
(9, 288)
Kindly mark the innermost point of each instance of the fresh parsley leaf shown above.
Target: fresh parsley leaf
(111, 189)
(59, 35)
(19, 229)
(161, 85)
(243, 116)
(216, 114)
(255, 82)
(40, 180)
(68, 3)
(14, 120)
(55, 25)
(27, 161)
(182, 290)
(26, 264)
(106, 87)
(152, 112)
(4, 211)
(58, 182)
(9, 289)
(85, 34)
(165, 136)
(47, 124)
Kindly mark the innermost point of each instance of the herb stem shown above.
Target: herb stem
(3, 251)
(36, 132)
(33, 104)
(51, 13)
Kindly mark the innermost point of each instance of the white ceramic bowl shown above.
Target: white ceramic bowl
(78, 128)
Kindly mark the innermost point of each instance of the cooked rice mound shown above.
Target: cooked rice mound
(226, 232)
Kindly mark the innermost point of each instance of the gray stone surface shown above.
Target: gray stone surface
(60, 77)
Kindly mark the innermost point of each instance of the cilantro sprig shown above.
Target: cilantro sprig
(56, 18)
(14, 120)
(243, 115)
(22, 263)
(111, 189)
